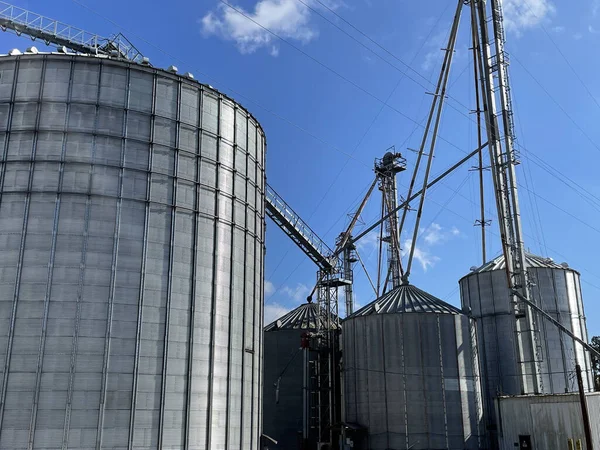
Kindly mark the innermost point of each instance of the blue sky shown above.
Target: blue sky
(320, 103)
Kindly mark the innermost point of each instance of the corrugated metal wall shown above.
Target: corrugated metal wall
(558, 292)
(550, 420)
(412, 380)
(283, 416)
(131, 259)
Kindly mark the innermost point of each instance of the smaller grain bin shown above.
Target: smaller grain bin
(410, 374)
(285, 371)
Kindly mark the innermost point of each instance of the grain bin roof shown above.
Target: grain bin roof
(532, 261)
(304, 317)
(406, 299)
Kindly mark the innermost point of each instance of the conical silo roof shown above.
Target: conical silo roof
(532, 260)
(304, 317)
(406, 299)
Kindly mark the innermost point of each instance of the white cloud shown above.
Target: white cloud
(274, 311)
(577, 36)
(368, 241)
(298, 292)
(595, 7)
(558, 29)
(435, 234)
(269, 288)
(523, 14)
(593, 30)
(289, 19)
(424, 257)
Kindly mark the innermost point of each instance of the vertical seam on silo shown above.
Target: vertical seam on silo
(82, 262)
(482, 349)
(244, 274)
(560, 335)
(192, 320)
(211, 352)
(138, 336)
(111, 298)
(231, 264)
(257, 351)
(443, 380)
(385, 391)
(582, 326)
(173, 207)
(403, 369)
(543, 327)
(50, 266)
(516, 343)
(458, 325)
(11, 331)
(424, 384)
(581, 329)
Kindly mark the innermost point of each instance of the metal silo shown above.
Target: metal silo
(286, 368)
(411, 377)
(131, 258)
(555, 288)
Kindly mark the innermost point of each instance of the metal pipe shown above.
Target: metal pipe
(441, 91)
(482, 223)
(560, 326)
(584, 410)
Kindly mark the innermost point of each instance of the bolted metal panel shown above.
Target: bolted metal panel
(131, 269)
(411, 377)
(283, 397)
(556, 289)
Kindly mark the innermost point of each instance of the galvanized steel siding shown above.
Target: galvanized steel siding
(558, 292)
(132, 245)
(412, 380)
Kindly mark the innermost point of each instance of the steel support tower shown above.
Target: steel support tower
(493, 62)
(386, 170)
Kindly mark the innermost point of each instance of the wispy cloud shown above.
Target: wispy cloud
(435, 234)
(369, 241)
(298, 292)
(434, 49)
(558, 29)
(269, 288)
(274, 311)
(595, 7)
(424, 257)
(289, 19)
(520, 15)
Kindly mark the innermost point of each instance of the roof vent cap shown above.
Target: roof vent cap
(376, 307)
(62, 49)
(473, 268)
(145, 61)
(15, 52)
(33, 50)
(172, 69)
(564, 265)
(189, 75)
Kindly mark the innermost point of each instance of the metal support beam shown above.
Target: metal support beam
(50, 31)
(414, 196)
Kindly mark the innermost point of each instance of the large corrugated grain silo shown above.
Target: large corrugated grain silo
(411, 376)
(131, 258)
(286, 369)
(556, 289)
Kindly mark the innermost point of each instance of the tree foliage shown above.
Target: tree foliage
(596, 361)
